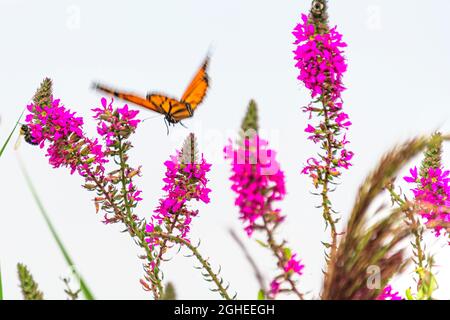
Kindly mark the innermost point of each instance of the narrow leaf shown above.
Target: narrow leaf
(409, 295)
(10, 135)
(83, 286)
(262, 243)
(261, 295)
(287, 253)
(1, 286)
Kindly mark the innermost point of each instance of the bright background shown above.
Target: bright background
(398, 85)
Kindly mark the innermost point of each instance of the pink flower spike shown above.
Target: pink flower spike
(182, 184)
(251, 178)
(321, 64)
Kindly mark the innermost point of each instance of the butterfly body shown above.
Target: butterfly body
(174, 110)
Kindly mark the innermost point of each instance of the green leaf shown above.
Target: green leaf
(421, 294)
(287, 253)
(83, 286)
(409, 296)
(428, 286)
(261, 295)
(1, 287)
(262, 243)
(326, 244)
(10, 135)
(433, 284)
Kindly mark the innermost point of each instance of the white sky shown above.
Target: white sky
(398, 85)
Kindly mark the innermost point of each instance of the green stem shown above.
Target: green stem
(11, 133)
(327, 214)
(205, 264)
(279, 254)
(163, 246)
(1, 285)
(415, 225)
(123, 181)
(133, 228)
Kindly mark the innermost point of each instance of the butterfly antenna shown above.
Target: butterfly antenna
(167, 126)
(183, 125)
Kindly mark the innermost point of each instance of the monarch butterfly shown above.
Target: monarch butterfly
(173, 110)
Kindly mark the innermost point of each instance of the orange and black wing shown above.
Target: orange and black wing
(133, 98)
(196, 91)
(174, 109)
(169, 106)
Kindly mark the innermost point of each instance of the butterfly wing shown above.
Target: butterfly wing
(192, 97)
(196, 91)
(169, 106)
(173, 109)
(130, 97)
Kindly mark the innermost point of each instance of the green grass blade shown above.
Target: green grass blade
(1, 287)
(10, 135)
(83, 286)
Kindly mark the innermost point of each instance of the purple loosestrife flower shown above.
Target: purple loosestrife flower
(180, 190)
(290, 267)
(275, 287)
(294, 265)
(432, 194)
(319, 59)
(115, 125)
(431, 188)
(321, 64)
(259, 182)
(67, 146)
(62, 131)
(117, 195)
(112, 121)
(185, 180)
(389, 294)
